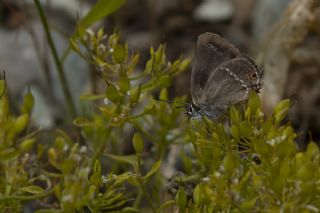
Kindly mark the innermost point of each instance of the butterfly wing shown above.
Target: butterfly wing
(231, 83)
(211, 51)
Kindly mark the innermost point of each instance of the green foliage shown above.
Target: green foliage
(253, 168)
(250, 163)
(101, 9)
(17, 182)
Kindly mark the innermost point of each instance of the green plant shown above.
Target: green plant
(247, 164)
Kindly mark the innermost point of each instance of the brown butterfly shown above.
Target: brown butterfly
(221, 77)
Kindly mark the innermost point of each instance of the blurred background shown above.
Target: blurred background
(282, 35)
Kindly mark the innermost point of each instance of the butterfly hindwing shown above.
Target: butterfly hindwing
(231, 83)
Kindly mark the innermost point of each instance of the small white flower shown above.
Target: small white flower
(106, 101)
(217, 174)
(67, 198)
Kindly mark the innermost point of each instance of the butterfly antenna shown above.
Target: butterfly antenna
(174, 102)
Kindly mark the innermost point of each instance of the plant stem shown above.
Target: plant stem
(147, 196)
(102, 143)
(61, 72)
(139, 163)
(29, 197)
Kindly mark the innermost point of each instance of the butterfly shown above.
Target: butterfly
(221, 76)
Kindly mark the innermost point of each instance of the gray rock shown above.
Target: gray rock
(266, 13)
(19, 59)
(214, 10)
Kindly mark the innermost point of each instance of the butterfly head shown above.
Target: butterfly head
(193, 111)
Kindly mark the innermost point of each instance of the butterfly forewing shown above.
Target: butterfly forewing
(211, 51)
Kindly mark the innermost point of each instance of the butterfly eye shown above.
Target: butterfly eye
(253, 76)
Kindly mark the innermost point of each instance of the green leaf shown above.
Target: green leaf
(99, 61)
(67, 166)
(129, 159)
(167, 204)
(306, 189)
(96, 179)
(3, 87)
(101, 9)
(286, 148)
(119, 53)
(306, 171)
(155, 167)
(149, 109)
(285, 168)
(185, 64)
(27, 144)
(262, 147)
(160, 54)
(4, 108)
(100, 34)
(181, 198)
(313, 150)
(28, 102)
(59, 143)
(124, 85)
(137, 143)
(235, 115)
(163, 94)
(247, 205)
(235, 131)
(82, 122)
(165, 81)
(32, 189)
(253, 102)
(135, 95)
(197, 195)
(133, 181)
(9, 153)
(112, 93)
(129, 210)
(281, 110)
(229, 163)
(300, 159)
(97, 167)
(277, 183)
(74, 46)
(245, 128)
(149, 66)
(186, 161)
(21, 123)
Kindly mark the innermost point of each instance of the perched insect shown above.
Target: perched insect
(221, 77)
